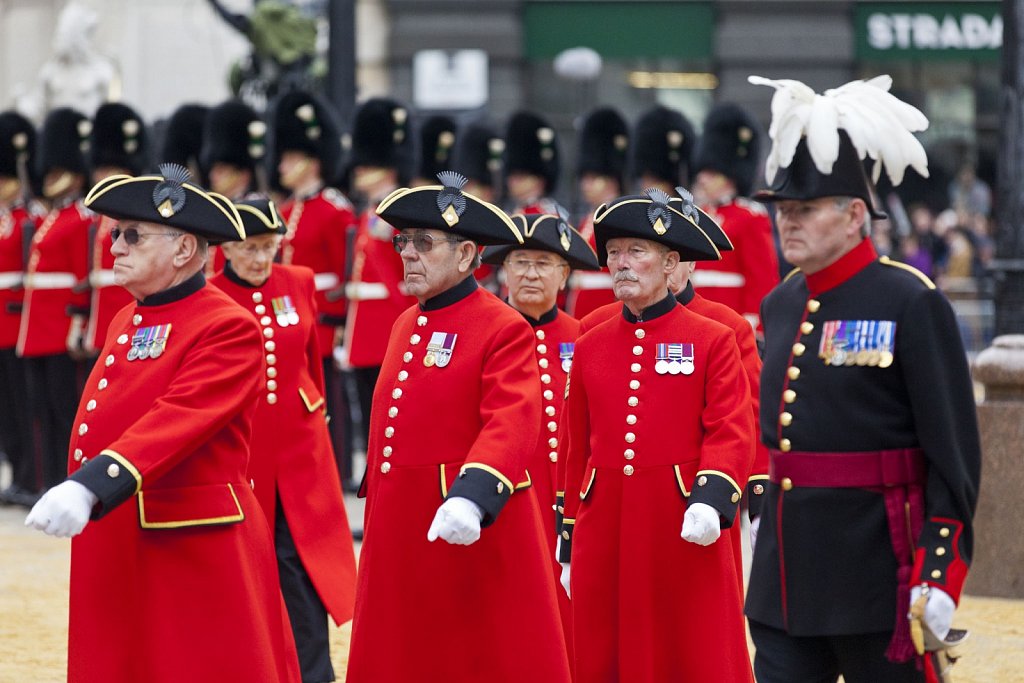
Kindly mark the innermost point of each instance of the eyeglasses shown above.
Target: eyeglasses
(421, 241)
(522, 266)
(132, 235)
(253, 250)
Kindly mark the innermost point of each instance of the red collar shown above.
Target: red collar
(848, 265)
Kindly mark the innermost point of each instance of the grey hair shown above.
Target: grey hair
(843, 203)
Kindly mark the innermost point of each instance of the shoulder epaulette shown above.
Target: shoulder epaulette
(752, 206)
(791, 274)
(886, 261)
(83, 211)
(336, 198)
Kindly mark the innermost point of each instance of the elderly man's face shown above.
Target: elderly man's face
(434, 261)
(814, 233)
(253, 259)
(640, 269)
(534, 278)
(144, 257)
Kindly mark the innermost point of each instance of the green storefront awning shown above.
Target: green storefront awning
(618, 30)
(928, 31)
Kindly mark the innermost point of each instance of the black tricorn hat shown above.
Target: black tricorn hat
(437, 143)
(547, 232)
(233, 133)
(531, 146)
(478, 153)
(446, 207)
(802, 179)
(603, 144)
(730, 145)
(302, 122)
(663, 143)
(260, 217)
(64, 142)
(183, 136)
(380, 137)
(705, 222)
(119, 138)
(168, 199)
(17, 139)
(654, 216)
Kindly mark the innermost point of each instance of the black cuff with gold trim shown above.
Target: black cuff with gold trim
(484, 488)
(754, 495)
(565, 547)
(559, 510)
(719, 492)
(112, 483)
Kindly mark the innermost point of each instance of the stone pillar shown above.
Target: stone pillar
(997, 568)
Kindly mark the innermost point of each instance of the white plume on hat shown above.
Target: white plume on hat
(880, 126)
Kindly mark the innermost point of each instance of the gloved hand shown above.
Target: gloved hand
(938, 611)
(63, 510)
(701, 525)
(755, 524)
(456, 521)
(564, 579)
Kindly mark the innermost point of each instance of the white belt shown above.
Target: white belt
(101, 278)
(366, 291)
(326, 281)
(592, 281)
(11, 279)
(50, 280)
(716, 278)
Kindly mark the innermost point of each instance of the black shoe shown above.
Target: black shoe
(16, 495)
(349, 486)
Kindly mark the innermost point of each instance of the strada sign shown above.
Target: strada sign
(929, 30)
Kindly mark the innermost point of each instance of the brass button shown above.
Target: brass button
(91, 405)
(702, 480)
(78, 454)
(548, 394)
(549, 411)
(385, 467)
(793, 372)
(257, 297)
(944, 532)
(785, 419)
(640, 334)
(84, 460)
(628, 470)
(271, 399)
(403, 375)
(389, 432)
(500, 488)
(270, 346)
(392, 411)
(271, 359)
(787, 484)
(414, 339)
(113, 470)
(268, 332)
(123, 339)
(272, 384)
(540, 334)
(553, 442)
(735, 498)
(940, 551)
(102, 384)
(806, 327)
(407, 356)
(546, 379)
(82, 429)
(788, 395)
(397, 393)
(271, 372)
(630, 437)
(631, 419)
(542, 349)
(936, 574)
(758, 489)
(260, 309)
(638, 350)
(552, 426)
(387, 451)
(813, 305)
(421, 321)
(265, 320)
(634, 384)
(798, 349)
(543, 362)
(565, 535)
(553, 456)
(629, 454)
(633, 401)
(136, 319)
(109, 360)
(785, 445)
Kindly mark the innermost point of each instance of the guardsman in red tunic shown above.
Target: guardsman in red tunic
(536, 272)
(601, 173)
(663, 142)
(17, 147)
(183, 139)
(437, 146)
(158, 462)
(291, 463)
(56, 290)
(478, 156)
(659, 439)
(306, 151)
(381, 161)
(532, 164)
(868, 411)
(455, 583)
(725, 165)
(118, 147)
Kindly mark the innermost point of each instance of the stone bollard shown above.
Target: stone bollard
(997, 568)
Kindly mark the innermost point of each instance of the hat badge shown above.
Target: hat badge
(450, 200)
(564, 234)
(657, 211)
(674, 138)
(689, 209)
(169, 196)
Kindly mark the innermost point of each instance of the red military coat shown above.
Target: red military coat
(317, 237)
(376, 292)
(58, 266)
(107, 298)
(290, 452)
(746, 274)
(176, 580)
(465, 425)
(12, 269)
(647, 605)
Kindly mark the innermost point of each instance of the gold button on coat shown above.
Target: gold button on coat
(633, 401)
(407, 356)
(638, 350)
(552, 426)
(640, 334)
(735, 497)
(271, 399)
(630, 437)
(549, 411)
(785, 419)
(385, 467)
(813, 305)
(788, 395)
(543, 362)
(403, 375)
(540, 334)
(421, 321)
(387, 451)
(936, 574)
(113, 470)
(270, 346)
(628, 470)
(635, 367)
(257, 297)
(546, 379)
(553, 456)
(548, 394)
(798, 349)
(414, 339)
(785, 445)
(123, 339)
(787, 484)
(389, 432)
(702, 480)
(793, 372)
(631, 419)
(758, 489)
(397, 393)
(553, 442)
(940, 551)
(629, 454)
(944, 532)
(542, 348)
(806, 327)
(102, 384)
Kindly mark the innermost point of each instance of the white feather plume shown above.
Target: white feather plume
(880, 126)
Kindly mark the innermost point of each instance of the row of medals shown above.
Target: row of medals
(864, 358)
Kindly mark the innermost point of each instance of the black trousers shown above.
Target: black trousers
(782, 658)
(366, 380)
(53, 391)
(340, 425)
(16, 420)
(306, 612)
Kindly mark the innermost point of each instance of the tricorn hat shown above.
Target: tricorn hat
(64, 142)
(437, 143)
(531, 146)
(380, 137)
(604, 144)
(233, 133)
(730, 145)
(17, 144)
(183, 136)
(446, 207)
(119, 138)
(547, 232)
(705, 222)
(663, 143)
(654, 216)
(260, 217)
(478, 153)
(168, 199)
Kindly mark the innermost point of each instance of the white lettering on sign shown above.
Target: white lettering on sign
(927, 32)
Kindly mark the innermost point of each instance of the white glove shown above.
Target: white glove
(564, 579)
(701, 525)
(938, 611)
(63, 510)
(456, 521)
(755, 524)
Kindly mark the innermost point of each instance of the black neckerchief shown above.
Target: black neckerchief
(177, 292)
(544, 319)
(651, 312)
(686, 296)
(451, 295)
(230, 274)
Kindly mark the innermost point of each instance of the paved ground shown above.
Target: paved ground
(34, 603)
